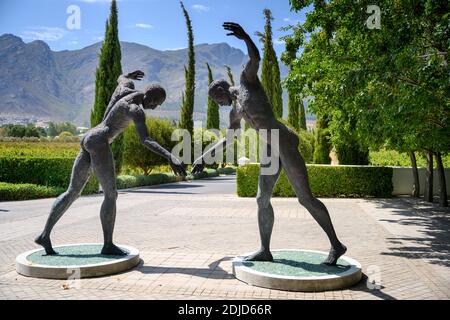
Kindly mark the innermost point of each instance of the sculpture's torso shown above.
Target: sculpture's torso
(254, 106)
(115, 122)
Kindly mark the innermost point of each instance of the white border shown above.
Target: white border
(258, 278)
(28, 268)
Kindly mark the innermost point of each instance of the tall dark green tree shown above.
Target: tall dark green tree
(108, 70)
(188, 98)
(232, 82)
(322, 146)
(212, 116)
(293, 110)
(270, 75)
(302, 114)
(230, 75)
(296, 109)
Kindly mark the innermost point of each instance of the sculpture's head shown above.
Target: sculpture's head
(154, 96)
(220, 92)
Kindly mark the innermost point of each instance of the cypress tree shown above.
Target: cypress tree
(212, 117)
(296, 109)
(323, 146)
(230, 75)
(108, 70)
(270, 76)
(187, 107)
(293, 110)
(231, 79)
(302, 115)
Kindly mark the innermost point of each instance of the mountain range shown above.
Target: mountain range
(46, 85)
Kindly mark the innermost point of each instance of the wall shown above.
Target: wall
(402, 180)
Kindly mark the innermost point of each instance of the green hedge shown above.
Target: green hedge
(14, 192)
(49, 172)
(226, 170)
(325, 181)
(34, 178)
(128, 181)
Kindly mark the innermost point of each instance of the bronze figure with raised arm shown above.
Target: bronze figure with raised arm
(126, 105)
(254, 107)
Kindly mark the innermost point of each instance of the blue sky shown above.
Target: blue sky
(156, 23)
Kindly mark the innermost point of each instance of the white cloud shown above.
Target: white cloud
(143, 25)
(200, 8)
(175, 49)
(291, 21)
(279, 42)
(44, 33)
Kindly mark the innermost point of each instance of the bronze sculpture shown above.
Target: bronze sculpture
(254, 107)
(126, 105)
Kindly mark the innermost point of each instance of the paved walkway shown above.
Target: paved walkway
(189, 232)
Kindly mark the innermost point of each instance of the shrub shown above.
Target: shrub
(134, 181)
(127, 181)
(65, 134)
(15, 192)
(50, 172)
(325, 181)
(227, 170)
(207, 173)
(138, 156)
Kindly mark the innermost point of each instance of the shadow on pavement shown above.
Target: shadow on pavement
(363, 287)
(434, 224)
(166, 188)
(214, 271)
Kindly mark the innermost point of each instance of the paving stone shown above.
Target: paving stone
(187, 241)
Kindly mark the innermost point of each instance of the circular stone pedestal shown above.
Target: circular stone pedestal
(75, 261)
(298, 270)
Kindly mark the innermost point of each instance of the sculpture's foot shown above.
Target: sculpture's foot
(334, 255)
(46, 243)
(261, 255)
(113, 250)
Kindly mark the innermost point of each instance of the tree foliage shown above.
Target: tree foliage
(270, 73)
(108, 70)
(188, 96)
(54, 129)
(213, 116)
(386, 87)
(22, 131)
(138, 156)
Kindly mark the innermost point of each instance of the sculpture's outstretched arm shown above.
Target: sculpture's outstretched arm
(252, 66)
(235, 124)
(152, 145)
(125, 86)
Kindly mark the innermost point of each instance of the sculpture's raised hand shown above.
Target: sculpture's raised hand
(197, 167)
(177, 167)
(136, 75)
(236, 30)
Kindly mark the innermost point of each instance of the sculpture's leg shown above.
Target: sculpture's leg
(103, 165)
(295, 169)
(80, 175)
(266, 184)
